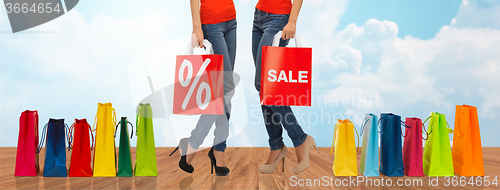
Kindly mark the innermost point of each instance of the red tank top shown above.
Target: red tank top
(275, 6)
(216, 11)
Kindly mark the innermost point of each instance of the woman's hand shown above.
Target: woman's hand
(197, 38)
(289, 31)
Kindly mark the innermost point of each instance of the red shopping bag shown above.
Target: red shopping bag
(27, 144)
(79, 135)
(286, 75)
(199, 84)
(412, 149)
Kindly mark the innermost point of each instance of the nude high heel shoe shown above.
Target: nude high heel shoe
(269, 168)
(305, 163)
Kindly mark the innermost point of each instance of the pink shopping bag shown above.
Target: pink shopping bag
(412, 149)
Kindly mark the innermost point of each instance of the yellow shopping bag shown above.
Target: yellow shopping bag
(344, 161)
(105, 151)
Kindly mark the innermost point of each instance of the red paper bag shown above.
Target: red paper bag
(412, 149)
(79, 135)
(27, 144)
(286, 75)
(199, 84)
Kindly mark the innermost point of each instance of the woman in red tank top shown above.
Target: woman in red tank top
(214, 20)
(272, 16)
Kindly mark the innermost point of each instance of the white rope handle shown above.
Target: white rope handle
(208, 48)
(277, 37)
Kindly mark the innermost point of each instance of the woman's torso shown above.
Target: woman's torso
(216, 11)
(275, 6)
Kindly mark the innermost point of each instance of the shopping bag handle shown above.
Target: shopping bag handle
(458, 124)
(92, 135)
(430, 127)
(71, 132)
(116, 128)
(358, 138)
(427, 136)
(208, 48)
(406, 131)
(335, 131)
(94, 127)
(363, 124)
(131, 135)
(67, 134)
(70, 135)
(276, 39)
(333, 141)
(42, 140)
(381, 128)
(114, 116)
(136, 120)
(450, 130)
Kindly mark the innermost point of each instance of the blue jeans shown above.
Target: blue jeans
(265, 26)
(222, 36)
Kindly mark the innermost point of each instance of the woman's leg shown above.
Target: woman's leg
(215, 34)
(270, 25)
(273, 126)
(222, 123)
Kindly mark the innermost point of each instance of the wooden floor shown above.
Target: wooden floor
(243, 162)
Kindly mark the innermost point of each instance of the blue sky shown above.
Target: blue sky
(406, 57)
(418, 18)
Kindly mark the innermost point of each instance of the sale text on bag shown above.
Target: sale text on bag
(302, 76)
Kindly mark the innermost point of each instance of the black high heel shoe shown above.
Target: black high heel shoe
(183, 145)
(219, 171)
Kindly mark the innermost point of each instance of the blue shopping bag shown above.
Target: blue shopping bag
(369, 151)
(391, 150)
(54, 133)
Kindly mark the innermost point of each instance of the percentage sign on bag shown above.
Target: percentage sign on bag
(203, 86)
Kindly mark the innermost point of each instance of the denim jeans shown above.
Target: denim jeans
(222, 36)
(265, 26)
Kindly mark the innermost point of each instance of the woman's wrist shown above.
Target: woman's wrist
(196, 29)
(196, 26)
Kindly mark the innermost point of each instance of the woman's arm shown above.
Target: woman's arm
(289, 29)
(197, 37)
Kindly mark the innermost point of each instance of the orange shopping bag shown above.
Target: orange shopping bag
(467, 150)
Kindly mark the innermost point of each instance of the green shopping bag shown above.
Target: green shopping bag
(145, 162)
(124, 155)
(437, 152)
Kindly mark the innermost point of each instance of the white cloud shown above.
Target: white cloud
(413, 68)
(478, 14)
(414, 77)
(78, 48)
(317, 28)
(490, 107)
